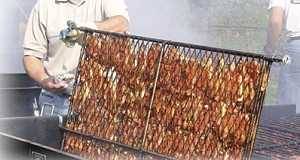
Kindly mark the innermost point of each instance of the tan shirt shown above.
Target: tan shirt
(292, 15)
(49, 17)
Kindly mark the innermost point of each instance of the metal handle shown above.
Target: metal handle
(286, 59)
(71, 35)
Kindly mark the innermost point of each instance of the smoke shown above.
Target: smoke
(167, 19)
(238, 25)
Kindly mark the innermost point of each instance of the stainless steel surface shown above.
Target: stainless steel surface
(17, 94)
(32, 137)
(42, 130)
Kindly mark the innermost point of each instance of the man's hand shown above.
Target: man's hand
(53, 85)
(114, 24)
(35, 69)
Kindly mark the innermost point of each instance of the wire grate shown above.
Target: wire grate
(208, 108)
(278, 140)
(276, 144)
(166, 98)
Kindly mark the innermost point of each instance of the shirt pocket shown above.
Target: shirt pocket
(54, 41)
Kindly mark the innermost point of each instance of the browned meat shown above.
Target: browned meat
(204, 106)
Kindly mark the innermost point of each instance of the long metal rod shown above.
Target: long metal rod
(189, 45)
(263, 131)
(116, 143)
(277, 146)
(281, 129)
(20, 88)
(153, 94)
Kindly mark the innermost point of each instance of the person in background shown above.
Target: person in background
(46, 58)
(284, 23)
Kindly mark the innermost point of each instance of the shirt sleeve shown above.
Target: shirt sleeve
(115, 8)
(277, 3)
(35, 40)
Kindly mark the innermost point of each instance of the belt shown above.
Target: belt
(64, 94)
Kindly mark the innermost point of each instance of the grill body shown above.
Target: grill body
(31, 138)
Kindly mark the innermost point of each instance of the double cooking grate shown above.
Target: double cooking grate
(142, 98)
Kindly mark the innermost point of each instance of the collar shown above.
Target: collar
(77, 2)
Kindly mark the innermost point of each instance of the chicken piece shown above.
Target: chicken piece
(265, 81)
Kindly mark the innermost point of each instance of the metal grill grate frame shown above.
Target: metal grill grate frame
(184, 54)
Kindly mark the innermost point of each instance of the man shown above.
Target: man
(285, 22)
(46, 57)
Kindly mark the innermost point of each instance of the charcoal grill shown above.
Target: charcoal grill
(143, 98)
(279, 139)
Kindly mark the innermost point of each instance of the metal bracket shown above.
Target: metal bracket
(71, 35)
(282, 59)
(286, 59)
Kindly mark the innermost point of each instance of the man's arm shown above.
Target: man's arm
(114, 24)
(35, 48)
(35, 69)
(274, 29)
